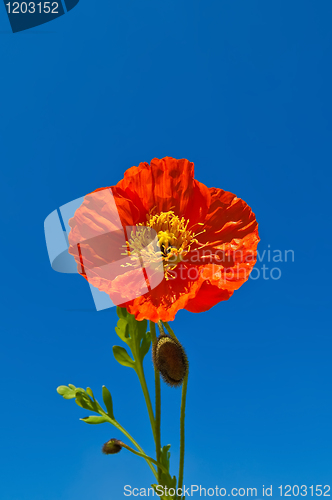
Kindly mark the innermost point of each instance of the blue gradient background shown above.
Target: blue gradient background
(243, 89)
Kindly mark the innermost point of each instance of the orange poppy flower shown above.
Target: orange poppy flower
(207, 240)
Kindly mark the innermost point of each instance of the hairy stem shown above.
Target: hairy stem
(182, 415)
(118, 426)
(158, 402)
(182, 430)
(169, 330)
(144, 456)
(160, 326)
(141, 376)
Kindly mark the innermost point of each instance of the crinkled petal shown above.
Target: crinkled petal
(217, 265)
(164, 301)
(207, 296)
(167, 184)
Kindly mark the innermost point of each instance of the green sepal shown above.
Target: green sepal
(108, 402)
(122, 356)
(94, 420)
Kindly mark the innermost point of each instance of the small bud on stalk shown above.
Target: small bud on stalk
(170, 359)
(112, 446)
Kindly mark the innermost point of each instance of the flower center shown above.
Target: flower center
(175, 240)
(174, 237)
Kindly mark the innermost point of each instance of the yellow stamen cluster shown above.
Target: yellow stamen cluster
(175, 239)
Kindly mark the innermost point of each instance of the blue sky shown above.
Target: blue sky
(242, 89)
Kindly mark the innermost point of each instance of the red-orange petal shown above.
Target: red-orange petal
(208, 296)
(164, 301)
(167, 184)
(230, 234)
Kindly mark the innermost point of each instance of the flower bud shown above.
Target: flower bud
(112, 446)
(170, 359)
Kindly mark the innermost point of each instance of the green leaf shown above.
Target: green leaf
(108, 402)
(165, 456)
(79, 390)
(122, 356)
(89, 391)
(66, 392)
(129, 329)
(84, 401)
(94, 403)
(94, 420)
(122, 330)
(122, 312)
(133, 333)
(145, 345)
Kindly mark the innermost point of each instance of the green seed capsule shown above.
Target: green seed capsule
(170, 359)
(111, 447)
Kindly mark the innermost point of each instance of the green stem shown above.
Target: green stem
(182, 433)
(169, 330)
(121, 429)
(160, 326)
(158, 402)
(144, 456)
(140, 373)
(182, 415)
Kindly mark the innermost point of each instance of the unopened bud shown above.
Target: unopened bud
(170, 359)
(112, 446)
